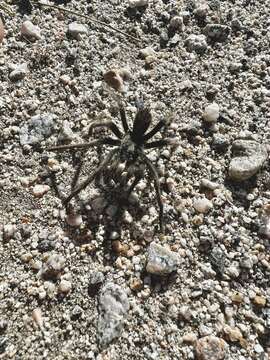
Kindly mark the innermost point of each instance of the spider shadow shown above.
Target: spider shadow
(94, 221)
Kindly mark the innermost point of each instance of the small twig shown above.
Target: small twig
(89, 18)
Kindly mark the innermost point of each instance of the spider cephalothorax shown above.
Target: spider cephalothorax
(128, 148)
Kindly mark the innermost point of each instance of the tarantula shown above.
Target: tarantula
(128, 148)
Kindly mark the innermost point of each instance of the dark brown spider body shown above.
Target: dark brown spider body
(129, 148)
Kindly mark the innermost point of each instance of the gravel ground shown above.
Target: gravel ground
(105, 283)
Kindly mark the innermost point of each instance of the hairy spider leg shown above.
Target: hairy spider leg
(161, 143)
(155, 129)
(77, 172)
(104, 141)
(85, 183)
(106, 123)
(123, 118)
(136, 180)
(154, 173)
(55, 186)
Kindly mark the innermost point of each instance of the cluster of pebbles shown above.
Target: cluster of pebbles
(102, 282)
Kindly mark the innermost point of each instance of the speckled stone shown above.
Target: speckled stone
(161, 261)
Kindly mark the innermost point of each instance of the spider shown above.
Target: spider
(128, 149)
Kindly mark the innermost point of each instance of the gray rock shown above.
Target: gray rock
(76, 30)
(113, 309)
(40, 127)
(250, 157)
(18, 72)
(217, 32)
(196, 43)
(161, 261)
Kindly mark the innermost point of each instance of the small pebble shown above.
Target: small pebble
(258, 349)
(18, 72)
(177, 23)
(8, 231)
(30, 30)
(161, 261)
(259, 301)
(53, 266)
(40, 190)
(37, 317)
(210, 348)
(75, 30)
(202, 205)
(233, 333)
(65, 286)
(196, 43)
(114, 80)
(217, 32)
(189, 338)
(249, 158)
(211, 113)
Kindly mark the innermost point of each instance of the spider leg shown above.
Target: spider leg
(154, 173)
(155, 129)
(105, 141)
(134, 184)
(85, 183)
(77, 172)
(123, 118)
(106, 123)
(160, 143)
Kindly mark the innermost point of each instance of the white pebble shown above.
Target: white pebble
(8, 231)
(202, 205)
(37, 317)
(30, 30)
(211, 113)
(258, 349)
(39, 190)
(64, 286)
(75, 30)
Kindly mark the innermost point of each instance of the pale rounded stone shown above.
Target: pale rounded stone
(40, 190)
(65, 286)
(161, 261)
(30, 30)
(76, 30)
(202, 205)
(211, 113)
(210, 347)
(37, 317)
